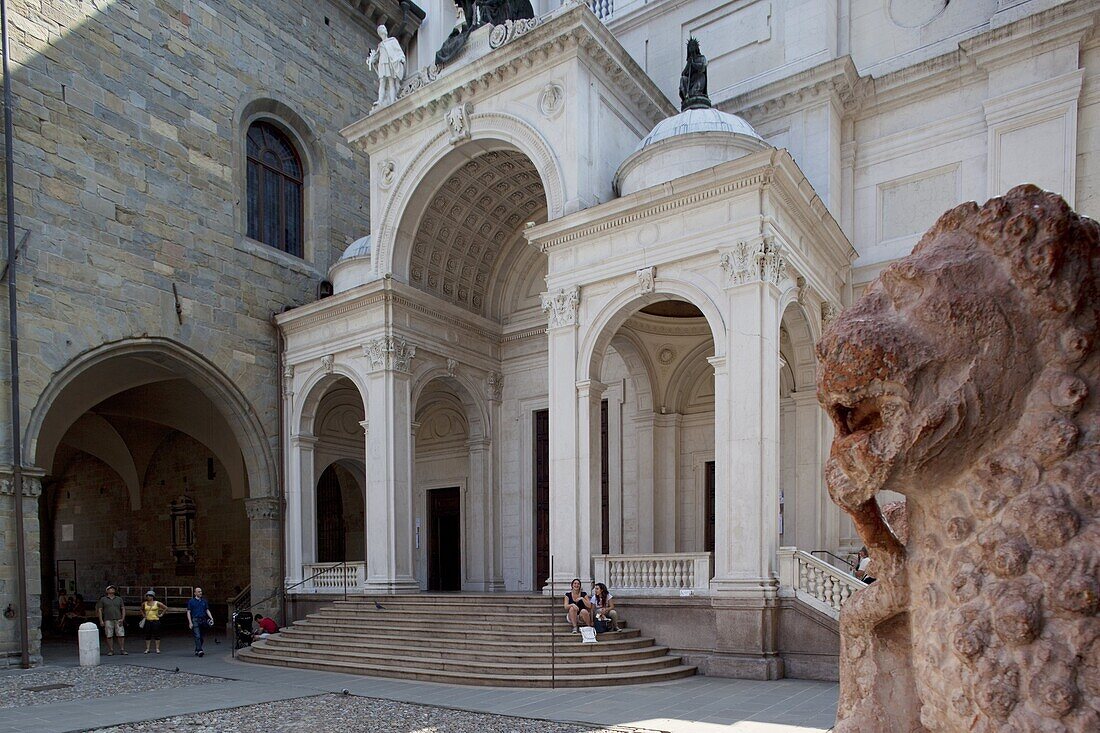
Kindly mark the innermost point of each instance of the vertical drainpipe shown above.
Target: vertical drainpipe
(13, 332)
(280, 357)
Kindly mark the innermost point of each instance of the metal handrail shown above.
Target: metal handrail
(237, 610)
(847, 563)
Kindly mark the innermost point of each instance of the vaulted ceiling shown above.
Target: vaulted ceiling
(471, 220)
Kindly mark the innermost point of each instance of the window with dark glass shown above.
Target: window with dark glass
(274, 189)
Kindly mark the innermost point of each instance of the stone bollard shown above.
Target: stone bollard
(89, 644)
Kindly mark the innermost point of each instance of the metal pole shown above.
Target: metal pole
(13, 334)
(553, 634)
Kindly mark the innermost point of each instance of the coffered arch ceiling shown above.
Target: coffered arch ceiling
(470, 223)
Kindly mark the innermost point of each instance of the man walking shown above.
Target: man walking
(112, 616)
(198, 618)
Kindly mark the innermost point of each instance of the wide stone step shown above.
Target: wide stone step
(438, 610)
(442, 631)
(531, 654)
(625, 640)
(593, 665)
(495, 676)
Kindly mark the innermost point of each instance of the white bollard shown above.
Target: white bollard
(89, 644)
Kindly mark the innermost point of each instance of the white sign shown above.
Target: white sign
(588, 635)
(685, 592)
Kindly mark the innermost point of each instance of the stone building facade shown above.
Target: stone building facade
(147, 311)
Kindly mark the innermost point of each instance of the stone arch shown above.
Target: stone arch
(314, 389)
(438, 159)
(693, 366)
(464, 393)
(259, 106)
(802, 362)
(639, 367)
(116, 367)
(615, 312)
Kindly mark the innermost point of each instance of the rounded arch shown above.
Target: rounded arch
(262, 106)
(473, 406)
(437, 160)
(693, 366)
(116, 367)
(639, 367)
(314, 389)
(615, 312)
(789, 296)
(802, 360)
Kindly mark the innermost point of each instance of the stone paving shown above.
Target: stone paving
(242, 695)
(52, 685)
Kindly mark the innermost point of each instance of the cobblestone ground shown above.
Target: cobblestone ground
(83, 683)
(349, 714)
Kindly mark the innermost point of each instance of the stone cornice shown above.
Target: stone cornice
(572, 29)
(838, 80)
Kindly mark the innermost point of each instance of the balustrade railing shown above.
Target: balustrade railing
(815, 581)
(602, 8)
(660, 574)
(333, 578)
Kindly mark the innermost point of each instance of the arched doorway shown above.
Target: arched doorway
(151, 458)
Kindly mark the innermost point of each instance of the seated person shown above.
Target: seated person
(265, 627)
(577, 606)
(604, 607)
(73, 616)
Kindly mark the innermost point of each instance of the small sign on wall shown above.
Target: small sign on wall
(66, 533)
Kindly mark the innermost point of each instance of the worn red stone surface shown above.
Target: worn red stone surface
(966, 378)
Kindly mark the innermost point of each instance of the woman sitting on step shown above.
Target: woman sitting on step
(577, 605)
(603, 608)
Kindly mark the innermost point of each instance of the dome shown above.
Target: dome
(354, 266)
(694, 140)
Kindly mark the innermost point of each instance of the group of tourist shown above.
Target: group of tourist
(596, 609)
(111, 614)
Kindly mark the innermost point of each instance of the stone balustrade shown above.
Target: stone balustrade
(657, 574)
(814, 581)
(328, 577)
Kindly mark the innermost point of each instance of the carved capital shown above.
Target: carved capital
(32, 486)
(495, 384)
(261, 507)
(755, 261)
(389, 352)
(647, 279)
(561, 307)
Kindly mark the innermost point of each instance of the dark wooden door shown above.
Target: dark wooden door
(444, 539)
(708, 503)
(605, 481)
(542, 496)
(330, 518)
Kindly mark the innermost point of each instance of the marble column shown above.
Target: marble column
(477, 530)
(614, 397)
(666, 469)
(589, 530)
(301, 507)
(644, 491)
(389, 466)
(495, 534)
(565, 444)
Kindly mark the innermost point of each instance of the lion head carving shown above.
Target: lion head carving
(966, 378)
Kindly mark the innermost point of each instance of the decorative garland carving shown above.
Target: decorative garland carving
(510, 30)
(758, 261)
(495, 383)
(389, 352)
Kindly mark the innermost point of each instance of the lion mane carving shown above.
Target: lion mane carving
(966, 378)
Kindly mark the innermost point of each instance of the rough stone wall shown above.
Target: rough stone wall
(114, 543)
(128, 179)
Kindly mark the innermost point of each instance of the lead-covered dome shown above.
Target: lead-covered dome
(687, 143)
(354, 266)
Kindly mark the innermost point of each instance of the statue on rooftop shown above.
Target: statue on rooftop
(693, 80)
(472, 14)
(388, 61)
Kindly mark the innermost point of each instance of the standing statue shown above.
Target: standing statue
(388, 61)
(693, 80)
(967, 378)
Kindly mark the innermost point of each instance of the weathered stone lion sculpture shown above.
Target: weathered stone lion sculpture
(967, 378)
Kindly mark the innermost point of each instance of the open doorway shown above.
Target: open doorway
(444, 539)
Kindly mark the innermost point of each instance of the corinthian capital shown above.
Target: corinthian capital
(759, 260)
(561, 307)
(389, 352)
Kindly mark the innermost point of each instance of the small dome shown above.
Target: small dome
(694, 140)
(698, 120)
(359, 248)
(354, 267)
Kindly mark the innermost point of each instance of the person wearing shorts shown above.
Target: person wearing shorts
(112, 616)
(151, 611)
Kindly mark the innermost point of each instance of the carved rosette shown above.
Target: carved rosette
(510, 30)
(647, 279)
(750, 262)
(389, 352)
(261, 507)
(561, 307)
(495, 384)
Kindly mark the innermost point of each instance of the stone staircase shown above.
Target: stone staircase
(494, 640)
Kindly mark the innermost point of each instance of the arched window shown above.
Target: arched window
(274, 189)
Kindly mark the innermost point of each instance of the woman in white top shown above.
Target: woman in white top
(604, 606)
